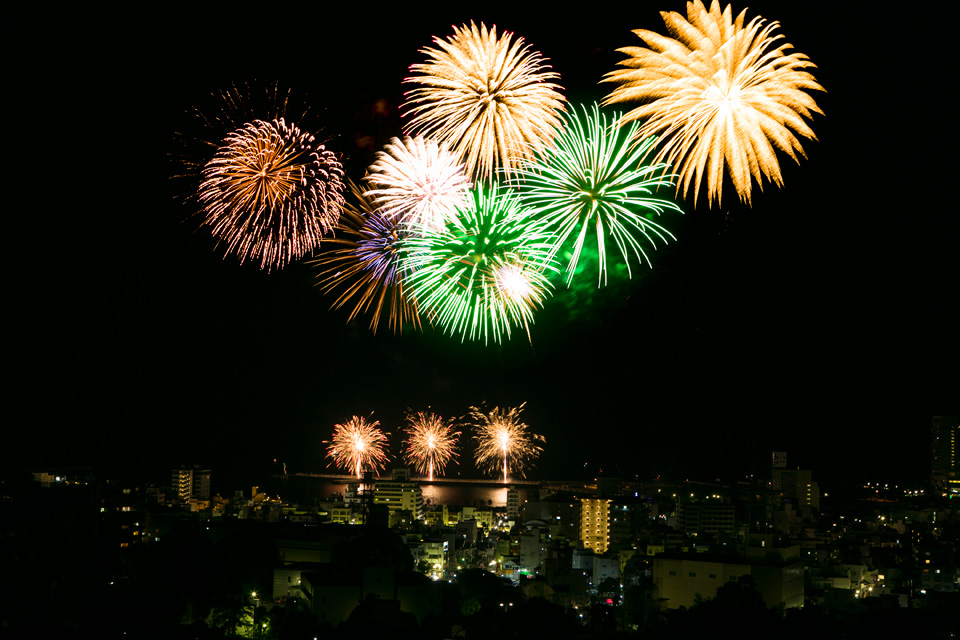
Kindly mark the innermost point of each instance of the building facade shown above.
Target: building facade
(595, 524)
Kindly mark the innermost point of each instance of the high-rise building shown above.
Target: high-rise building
(399, 495)
(182, 483)
(201, 483)
(513, 503)
(190, 483)
(706, 518)
(796, 485)
(595, 524)
(944, 453)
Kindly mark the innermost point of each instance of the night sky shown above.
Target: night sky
(821, 322)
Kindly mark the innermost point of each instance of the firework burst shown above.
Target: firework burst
(721, 94)
(271, 192)
(593, 176)
(483, 275)
(358, 444)
(418, 181)
(490, 98)
(503, 442)
(431, 443)
(365, 266)
(203, 127)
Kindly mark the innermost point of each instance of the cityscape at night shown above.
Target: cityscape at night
(483, 321)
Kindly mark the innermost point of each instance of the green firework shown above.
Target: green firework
(593, 175)
(484, 273)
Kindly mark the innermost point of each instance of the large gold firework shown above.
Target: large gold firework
(364, 265)
(719, 94)
(418, 181)
(491, 99)
(358, 444)
(271, 192)
(431, 443)
(503, 440)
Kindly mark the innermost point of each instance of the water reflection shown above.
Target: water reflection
(455, 494)
(464, 495)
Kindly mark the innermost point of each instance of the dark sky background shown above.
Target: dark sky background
(820, 322)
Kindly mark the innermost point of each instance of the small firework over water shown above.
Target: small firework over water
(358, 445)
(431, 443)
(503, 442)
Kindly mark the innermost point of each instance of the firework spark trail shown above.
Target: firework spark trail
(365, 265)
(271, 192)
(490, 98)
(594, 174)
(418, 181)
(502, 438)
(202, 131)
(720, 94)
(357, 444)
(430, 444)
(483, 275)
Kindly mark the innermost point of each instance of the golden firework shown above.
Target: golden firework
(502, 438)
(431, 443)
(271, 192)
(491, 99)
(719, 94)
(358, 444)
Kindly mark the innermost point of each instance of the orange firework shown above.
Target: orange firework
(357, 444)
(271, 192)
(431, 443)
(501, 437)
